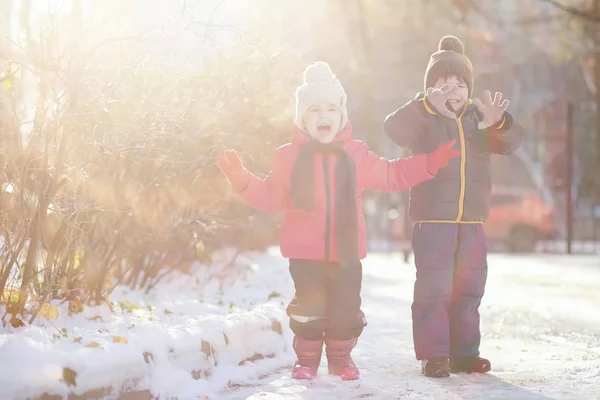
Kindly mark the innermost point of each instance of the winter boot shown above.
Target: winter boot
(470, 364)
(339, 360)
(435, 368)
(308, 353)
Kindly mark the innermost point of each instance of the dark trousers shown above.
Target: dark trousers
(451, 263)
(327, 300)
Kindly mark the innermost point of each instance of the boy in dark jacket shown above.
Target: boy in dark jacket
(449, 242)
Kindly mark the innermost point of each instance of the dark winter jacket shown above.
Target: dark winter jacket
(461, 192)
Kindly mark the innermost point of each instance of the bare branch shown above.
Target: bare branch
(574, 11)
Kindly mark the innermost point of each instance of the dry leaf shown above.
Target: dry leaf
(16, 322)
(119, 339)
(48, 311)
(69, 376)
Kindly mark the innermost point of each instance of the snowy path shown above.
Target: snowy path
(541, 325)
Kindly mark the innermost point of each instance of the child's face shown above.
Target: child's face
(322, 121)
(458, 97)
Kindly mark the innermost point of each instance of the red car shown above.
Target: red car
(519, 217)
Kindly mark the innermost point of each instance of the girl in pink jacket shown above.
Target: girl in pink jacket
(317, 181)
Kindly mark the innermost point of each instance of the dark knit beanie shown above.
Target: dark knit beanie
(449, 60)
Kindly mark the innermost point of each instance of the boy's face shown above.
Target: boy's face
(458, 97)
(322, 121)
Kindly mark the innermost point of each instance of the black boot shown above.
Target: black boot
(436, 368)
(470, 364)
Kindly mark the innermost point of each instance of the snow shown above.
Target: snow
(540, 322)
(155, 341)
(541, 330)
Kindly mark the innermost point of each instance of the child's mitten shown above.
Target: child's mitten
(491, 110)
(231, 166)
(438, 98)
(440, 156)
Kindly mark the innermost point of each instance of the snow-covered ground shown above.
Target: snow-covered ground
(541, 325)
(165, 342)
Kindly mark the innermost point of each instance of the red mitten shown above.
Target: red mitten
(231, 166)
(440, 156)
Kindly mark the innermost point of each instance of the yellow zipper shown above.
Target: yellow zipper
(463, 163)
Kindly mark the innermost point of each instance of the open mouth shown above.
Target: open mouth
(324, 129)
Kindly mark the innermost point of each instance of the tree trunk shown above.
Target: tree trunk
(595, 34)
(356, 17)
(5, 25)
(24, 19)
(596, 37)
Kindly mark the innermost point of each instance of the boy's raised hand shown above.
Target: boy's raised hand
(231, 165)
(440, 156)
(491, 110)
(439, 97)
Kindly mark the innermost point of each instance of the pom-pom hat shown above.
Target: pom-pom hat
(320, 85)
(449, 60)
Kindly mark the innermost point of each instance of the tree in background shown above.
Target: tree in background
(111, 179)
(587, 15)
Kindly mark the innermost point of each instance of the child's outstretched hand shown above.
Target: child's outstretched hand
(440, 156)
(491, 110)
(439, 97)
(231, 166)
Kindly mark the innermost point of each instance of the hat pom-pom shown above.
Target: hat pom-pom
(451, 43)
(319, 71)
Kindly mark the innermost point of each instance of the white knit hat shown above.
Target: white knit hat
(320, 85)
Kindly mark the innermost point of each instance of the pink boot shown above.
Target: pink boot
(339, 360)
(308, 354)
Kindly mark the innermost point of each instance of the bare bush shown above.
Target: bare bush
(116, 182)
